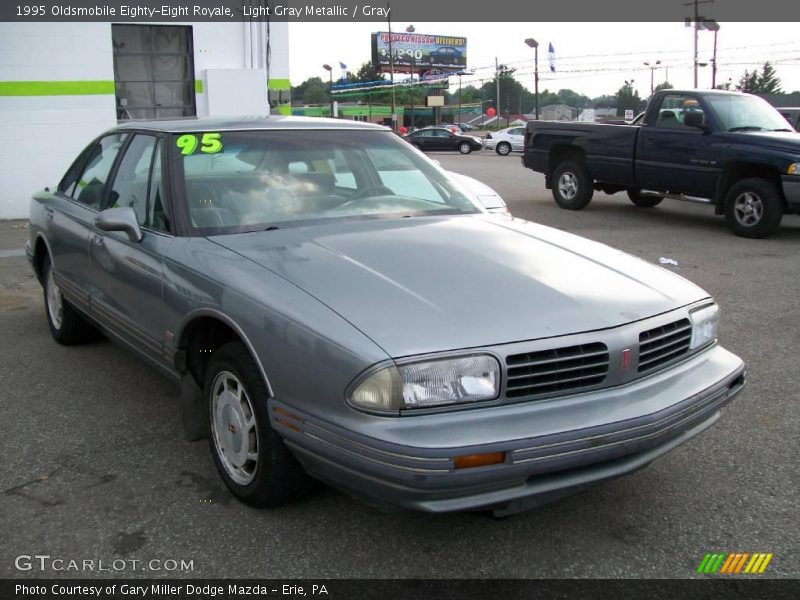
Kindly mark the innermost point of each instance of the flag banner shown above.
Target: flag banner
(551, 56)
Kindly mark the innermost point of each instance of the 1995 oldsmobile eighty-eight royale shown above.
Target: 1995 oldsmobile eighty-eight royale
(336, 306)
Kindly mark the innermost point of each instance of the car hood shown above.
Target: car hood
(429, 284)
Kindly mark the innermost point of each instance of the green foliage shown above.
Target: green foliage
(628, 99)
(664, 86)
(766, 82)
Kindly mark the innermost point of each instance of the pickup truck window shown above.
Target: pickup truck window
(673, 109)
(745, 113)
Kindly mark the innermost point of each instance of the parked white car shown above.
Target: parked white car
(506, 140)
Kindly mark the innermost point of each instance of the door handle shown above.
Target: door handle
(97, 240)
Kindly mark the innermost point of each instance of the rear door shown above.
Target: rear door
(517, 138)
(672, 156)
(71, 215)
(127, 295)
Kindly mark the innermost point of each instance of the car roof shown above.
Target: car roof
(246, 123)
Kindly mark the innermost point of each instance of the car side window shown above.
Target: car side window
(88, 189)
(70, 181)
(131, 182)
(673, 110)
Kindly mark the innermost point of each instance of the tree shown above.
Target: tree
(664, 86)
(573, 99)
(312, 91)
(628, 99)
(366, 73)
(766, 82)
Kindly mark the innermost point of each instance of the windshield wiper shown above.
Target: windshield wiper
(271, 228)
(748, 128)
(783, 129)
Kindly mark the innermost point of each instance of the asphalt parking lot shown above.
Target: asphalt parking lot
(94, 466)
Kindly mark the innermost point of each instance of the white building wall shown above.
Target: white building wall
(57, 92)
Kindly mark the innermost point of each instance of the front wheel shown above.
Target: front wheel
(250, 456)
(643, 200)
(464, 148)
(572, 185)
(753, 208)
(503, 149)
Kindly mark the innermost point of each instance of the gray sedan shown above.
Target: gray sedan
(335, 306)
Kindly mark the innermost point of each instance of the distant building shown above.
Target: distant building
(558, 112)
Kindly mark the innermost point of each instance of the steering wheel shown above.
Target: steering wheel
(372, 190)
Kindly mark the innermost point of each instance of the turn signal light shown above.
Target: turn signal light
(479, 460)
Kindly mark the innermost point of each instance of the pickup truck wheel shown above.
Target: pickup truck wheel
(464, 148)
(643, 200)
(503, 149)
(572, 185)
(250, 456)
(66, 326)
(753, 208)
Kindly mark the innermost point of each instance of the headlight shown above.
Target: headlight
(705, 325)
(794, 169)
(430, 383)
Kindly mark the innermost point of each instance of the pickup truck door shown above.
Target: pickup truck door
(127, 275)
(674, 157)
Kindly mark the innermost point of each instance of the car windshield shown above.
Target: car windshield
(746, 113)
(235, 181)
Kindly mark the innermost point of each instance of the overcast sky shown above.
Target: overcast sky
(591, 58)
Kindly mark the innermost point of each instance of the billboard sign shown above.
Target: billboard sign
(419, 51)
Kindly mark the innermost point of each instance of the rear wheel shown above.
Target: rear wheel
(66, 326)
(572, 185)
(464, 148)
(642, 199)
(251, 458)
(753, 208)
(503, 148)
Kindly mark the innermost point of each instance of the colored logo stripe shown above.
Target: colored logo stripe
(734, 563)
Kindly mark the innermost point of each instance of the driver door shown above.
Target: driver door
(127, 294)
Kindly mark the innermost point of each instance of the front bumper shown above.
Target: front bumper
(791, 191)
(411, 468)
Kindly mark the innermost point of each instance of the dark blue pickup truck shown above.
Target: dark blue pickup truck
(731, 150)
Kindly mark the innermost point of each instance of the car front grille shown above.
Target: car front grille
(556, 370)
(664, 344)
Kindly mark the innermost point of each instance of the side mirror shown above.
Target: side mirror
(694, 118)
(122, 218)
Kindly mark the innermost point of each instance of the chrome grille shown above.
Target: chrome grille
(556, 370)
(664, 344)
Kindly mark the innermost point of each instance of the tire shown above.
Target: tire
(644, 200)
(66, 326)
(464, 148)
(503, 148)
(572, 185)
(263, 472)
(753, 208)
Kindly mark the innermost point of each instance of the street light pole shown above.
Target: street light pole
(653, 68)
(329, 69)
(535, 45)
(712, 25)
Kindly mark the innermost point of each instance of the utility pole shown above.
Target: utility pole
(391, 69)
(696, 21)
(497, 83)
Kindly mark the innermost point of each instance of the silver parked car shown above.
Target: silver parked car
(506, 140)
(336, 306)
